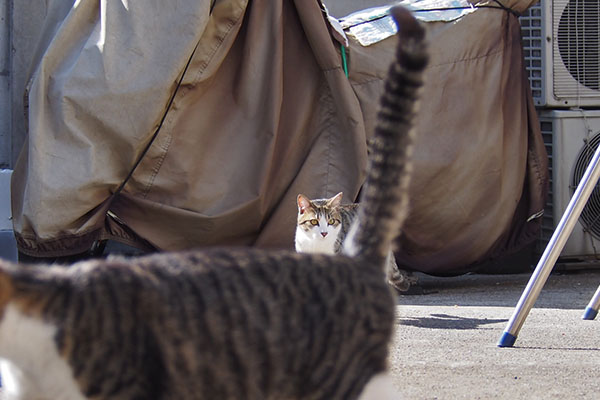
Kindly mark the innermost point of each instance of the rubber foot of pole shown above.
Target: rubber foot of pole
(589, 313)
(507, 340)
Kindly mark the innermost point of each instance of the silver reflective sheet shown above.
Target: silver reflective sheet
(373, 25)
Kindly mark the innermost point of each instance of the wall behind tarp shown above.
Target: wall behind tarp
(228, 111)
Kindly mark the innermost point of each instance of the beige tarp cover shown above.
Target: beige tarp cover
(234, 107)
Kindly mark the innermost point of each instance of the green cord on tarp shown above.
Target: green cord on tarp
(344, 60)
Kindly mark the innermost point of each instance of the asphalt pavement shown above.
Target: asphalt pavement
(445, 345)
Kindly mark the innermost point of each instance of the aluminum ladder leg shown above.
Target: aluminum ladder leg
(551, 253)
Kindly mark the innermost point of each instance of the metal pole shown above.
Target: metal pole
(552, 251)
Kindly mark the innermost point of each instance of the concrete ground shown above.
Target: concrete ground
(446, 341)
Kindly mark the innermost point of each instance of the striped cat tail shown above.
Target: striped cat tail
(384, 201)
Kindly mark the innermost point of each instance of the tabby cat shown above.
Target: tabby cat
(224, 323)
(322, 226)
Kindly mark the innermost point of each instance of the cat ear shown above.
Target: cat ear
(303, 203)
(336, 200)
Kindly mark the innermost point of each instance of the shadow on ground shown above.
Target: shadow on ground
(445, 321)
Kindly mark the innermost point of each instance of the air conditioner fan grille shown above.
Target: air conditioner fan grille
(578, 37)
(590, 216)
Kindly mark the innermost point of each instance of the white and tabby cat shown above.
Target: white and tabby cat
(225, 323)
(322, 226)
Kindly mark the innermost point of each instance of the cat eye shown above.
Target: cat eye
(314, 222)
(331, 221)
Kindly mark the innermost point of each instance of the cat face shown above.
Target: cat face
(319, 224)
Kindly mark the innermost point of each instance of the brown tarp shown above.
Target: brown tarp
(481, 171)
(234, 107)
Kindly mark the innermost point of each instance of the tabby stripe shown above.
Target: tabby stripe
(237, 284)
(97, 368)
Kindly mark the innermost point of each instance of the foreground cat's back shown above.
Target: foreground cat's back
(222, 323)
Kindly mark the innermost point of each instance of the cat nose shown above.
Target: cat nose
(323, 234)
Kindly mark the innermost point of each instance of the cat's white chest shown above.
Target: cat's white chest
(30, 366)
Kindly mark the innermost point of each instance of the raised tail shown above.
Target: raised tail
(384, 199)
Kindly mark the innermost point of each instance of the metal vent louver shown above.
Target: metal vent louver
(576, 48)
(533, 42)
(590, 216)
(547, 229)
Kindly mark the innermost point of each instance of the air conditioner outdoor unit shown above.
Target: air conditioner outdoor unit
(561, 42)
(571, 138)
